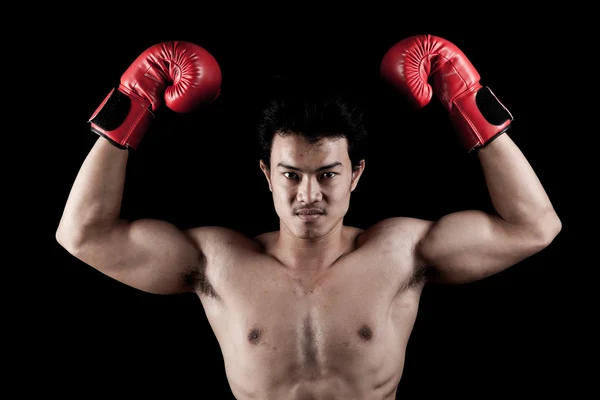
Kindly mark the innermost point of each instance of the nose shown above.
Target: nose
(309, 191)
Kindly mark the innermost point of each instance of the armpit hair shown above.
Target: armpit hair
(195, 277)
(417, 278)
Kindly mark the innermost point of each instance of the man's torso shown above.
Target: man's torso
(287, 334)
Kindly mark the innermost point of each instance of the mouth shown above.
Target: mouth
(309, 214)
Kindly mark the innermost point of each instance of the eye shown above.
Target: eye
(329, 175)
(290, 175)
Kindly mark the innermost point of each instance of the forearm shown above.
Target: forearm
(95, 198)
(515, 190)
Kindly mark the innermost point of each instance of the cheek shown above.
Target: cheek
(340, 190)
(283, 194)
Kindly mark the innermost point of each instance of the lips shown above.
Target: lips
(309, 214)
(309, 211)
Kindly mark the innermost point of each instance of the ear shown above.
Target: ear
(265, 169)
(356, 174)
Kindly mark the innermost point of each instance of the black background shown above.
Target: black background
(509, 334)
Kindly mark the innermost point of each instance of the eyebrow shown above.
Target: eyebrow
(324, 167)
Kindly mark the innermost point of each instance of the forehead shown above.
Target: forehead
(295, 148)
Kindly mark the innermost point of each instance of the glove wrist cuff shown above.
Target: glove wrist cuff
(479, 117)
(122, 118)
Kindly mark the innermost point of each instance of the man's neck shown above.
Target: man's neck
(311, 254)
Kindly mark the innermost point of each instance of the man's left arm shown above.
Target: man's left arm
(470, 245)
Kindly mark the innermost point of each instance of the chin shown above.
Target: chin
(309, 230)
(309, 234)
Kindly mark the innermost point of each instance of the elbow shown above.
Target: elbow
(547, 230)
(72, 236)
(552, 227)
(69, 237)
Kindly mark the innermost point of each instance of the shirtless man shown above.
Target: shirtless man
(317, 309)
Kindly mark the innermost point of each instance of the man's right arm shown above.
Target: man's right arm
(150, 255)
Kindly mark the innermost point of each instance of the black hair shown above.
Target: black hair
(313, 113)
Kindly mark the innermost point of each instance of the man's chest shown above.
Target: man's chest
(349, 305)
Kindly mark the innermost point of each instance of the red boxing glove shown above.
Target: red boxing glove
(181, 74)
(475, 112)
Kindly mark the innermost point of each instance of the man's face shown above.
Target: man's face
(311, 184)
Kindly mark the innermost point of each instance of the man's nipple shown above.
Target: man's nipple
(254, 336)
(365, 333)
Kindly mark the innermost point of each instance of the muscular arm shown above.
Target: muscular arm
(149, 255)
(471, 245)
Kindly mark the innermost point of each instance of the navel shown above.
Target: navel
(254, 336)
(365, 333)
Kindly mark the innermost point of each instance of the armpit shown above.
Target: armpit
(195, 277)
(416, 279)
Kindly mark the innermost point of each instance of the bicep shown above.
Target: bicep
(150, 255)
(471, 245)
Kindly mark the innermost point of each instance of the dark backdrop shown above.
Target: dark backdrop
(502, 335)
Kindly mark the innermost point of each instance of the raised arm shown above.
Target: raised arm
(470, 245)
(150, 255)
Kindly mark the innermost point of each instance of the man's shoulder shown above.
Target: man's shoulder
(396, 230)
(266, 236)
(220, 236)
